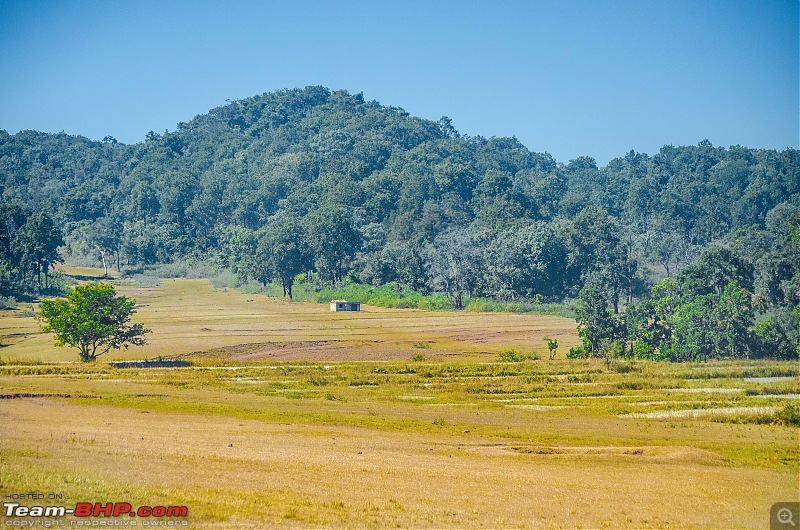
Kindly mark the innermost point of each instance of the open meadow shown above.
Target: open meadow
(284, 414)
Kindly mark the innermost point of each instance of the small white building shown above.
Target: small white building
(343, 305)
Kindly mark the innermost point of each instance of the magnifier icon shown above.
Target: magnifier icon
(785, 516)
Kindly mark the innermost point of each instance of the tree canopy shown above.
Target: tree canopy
(93, 319)
(326, 182)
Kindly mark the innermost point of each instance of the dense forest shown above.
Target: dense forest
(693, 252)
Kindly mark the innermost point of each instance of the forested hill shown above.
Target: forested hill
(312, 179)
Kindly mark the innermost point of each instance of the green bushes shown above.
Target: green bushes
(390, 295)
(484, 305)
(790, 415)
(577, 352)
(513, 356)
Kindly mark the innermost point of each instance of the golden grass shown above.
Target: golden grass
(191, 316)
(298, 417)
(252, 473)
(90, 273)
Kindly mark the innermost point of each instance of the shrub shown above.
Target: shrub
(417, 357)
(481, 305)
(26, 313)
(576, 352)
(171, 270)
(790, 415)
(509, 356)
(622, 368)
(225, 278)
(8, 302)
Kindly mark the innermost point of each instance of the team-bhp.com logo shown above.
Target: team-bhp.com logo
(95, 510)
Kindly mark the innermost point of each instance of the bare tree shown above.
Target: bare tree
(453, 263)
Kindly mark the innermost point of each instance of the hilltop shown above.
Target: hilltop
(326, 187)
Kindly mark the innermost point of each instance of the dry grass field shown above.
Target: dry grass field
(291, 416)
(191, 316)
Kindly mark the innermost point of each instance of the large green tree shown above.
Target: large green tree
(330, 234)
(525, 260)
(598, 255)
(596, 322)
(283, 250)
(36, 246)
(93, 319)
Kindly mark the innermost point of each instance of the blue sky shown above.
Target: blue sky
(572, 78)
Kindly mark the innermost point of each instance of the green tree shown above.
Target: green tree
(240, 251)
(284, 250)
(93, 319)
(552, 346)
(649, 323)
(693, 329)
(12, 217)
(716, 268)
(36, 244)
(525, 260)
(599, 256)
(733, 318)
(595, 320)
(330, 234)
(105, 235)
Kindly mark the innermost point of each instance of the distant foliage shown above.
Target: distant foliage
(29, 248)
(710, 311)
(325, 184)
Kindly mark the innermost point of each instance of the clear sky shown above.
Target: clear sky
(570, 77)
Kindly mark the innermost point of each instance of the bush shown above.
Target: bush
(8, 302)
(576, 352)
(171, 270)
(509, 356)
(225, 278)
(622, 367)
(184, 269)
(26, 313)
(484, 305)
(417, 357)
(790, 415)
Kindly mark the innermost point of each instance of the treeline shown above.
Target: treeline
(327, 185)
(728, 304)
